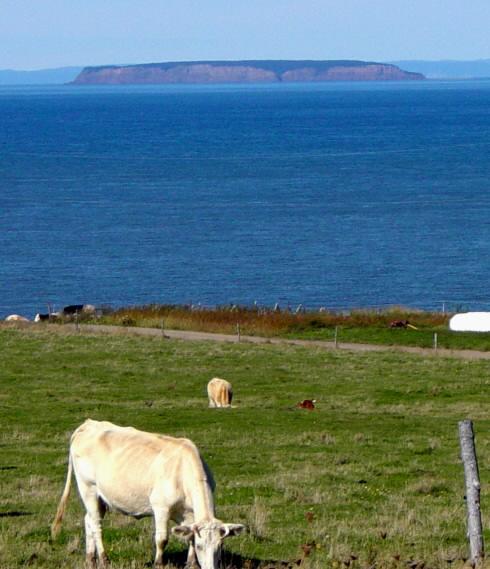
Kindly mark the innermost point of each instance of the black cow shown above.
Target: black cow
(42, 317)
(73, 309)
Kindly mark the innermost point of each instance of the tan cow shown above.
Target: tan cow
(144, 474)
(16, 318)
(220, 393)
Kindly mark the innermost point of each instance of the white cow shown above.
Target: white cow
(220, 393)
(16, 318)
(143, 474)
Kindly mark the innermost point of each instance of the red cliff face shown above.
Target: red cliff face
(199, 73)
(243, 72)
(372, 72)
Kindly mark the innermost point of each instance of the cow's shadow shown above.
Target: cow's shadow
(230, 561)
(14, 514)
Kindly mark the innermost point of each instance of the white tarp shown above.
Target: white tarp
(470, 322)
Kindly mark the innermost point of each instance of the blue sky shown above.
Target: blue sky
(37, 34)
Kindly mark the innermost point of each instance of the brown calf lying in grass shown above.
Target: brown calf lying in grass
(307, 404)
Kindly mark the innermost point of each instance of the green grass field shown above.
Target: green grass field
(370, 478)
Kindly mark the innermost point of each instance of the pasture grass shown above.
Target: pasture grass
(370, 478)
(358, 326)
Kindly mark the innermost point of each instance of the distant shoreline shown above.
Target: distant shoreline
(435, 70)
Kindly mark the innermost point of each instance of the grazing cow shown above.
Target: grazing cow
(144, 474)
(72, 309)
(220, 393)
(46, 317)
(16, 318)
(41, 317)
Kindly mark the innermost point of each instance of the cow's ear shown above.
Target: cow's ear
(182, 532)
(234, 529)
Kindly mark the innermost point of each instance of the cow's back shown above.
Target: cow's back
(126, 465)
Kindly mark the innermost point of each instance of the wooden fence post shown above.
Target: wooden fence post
(336, 336)
(238, 330)
(435, 341)
(472, 483)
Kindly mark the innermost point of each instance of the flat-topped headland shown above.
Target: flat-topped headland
(249, 71)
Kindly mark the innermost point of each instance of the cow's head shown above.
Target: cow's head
(206, 539)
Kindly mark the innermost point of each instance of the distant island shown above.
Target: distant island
(250, 71)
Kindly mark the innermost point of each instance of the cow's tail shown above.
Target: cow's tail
(226, 395)
(60, 512)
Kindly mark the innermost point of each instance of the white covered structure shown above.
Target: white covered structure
(470, 322)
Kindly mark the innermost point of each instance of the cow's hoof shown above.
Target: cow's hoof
(90, 562)
(104, 560)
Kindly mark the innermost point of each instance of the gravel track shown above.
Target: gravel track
(326, 345)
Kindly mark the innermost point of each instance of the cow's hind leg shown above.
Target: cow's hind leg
(93, 528)
(90, 549)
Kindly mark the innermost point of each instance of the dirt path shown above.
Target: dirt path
(206, 336)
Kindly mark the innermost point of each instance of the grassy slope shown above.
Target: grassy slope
(422, 338)
(376, 464)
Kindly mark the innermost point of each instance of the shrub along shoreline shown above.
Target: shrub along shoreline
(356, 326)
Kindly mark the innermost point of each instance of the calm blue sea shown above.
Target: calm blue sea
(336, 195)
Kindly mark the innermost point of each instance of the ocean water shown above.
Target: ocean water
(338, 195)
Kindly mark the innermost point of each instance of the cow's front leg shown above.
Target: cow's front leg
(161, 544)
(191, 555)
(103, 560)
(161, 533)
